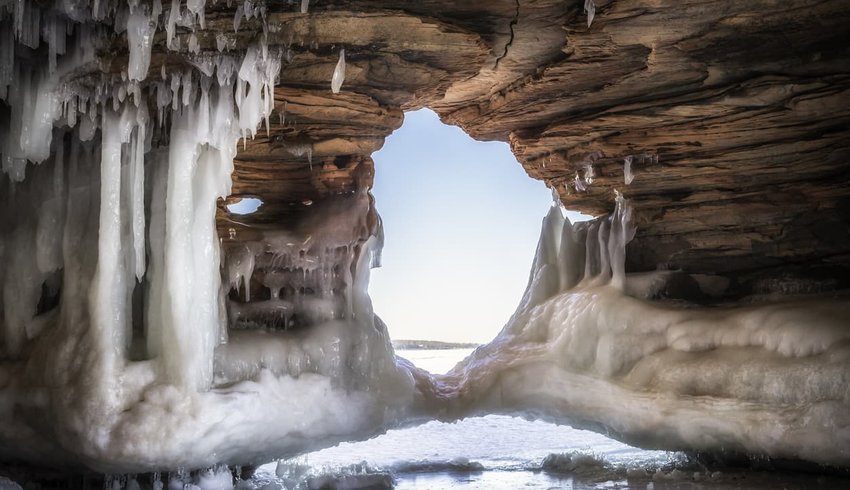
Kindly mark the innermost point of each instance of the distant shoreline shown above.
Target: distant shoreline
(431, 345)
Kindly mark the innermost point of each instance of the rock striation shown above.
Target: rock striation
(732, 117)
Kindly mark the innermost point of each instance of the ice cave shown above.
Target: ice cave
(187, 229)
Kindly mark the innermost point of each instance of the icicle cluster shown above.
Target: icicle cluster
(201, 112)
(306, 273)
(586, 253)
(312, 277)
(111, 289)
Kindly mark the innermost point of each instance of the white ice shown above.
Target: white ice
(140, 30)
(590, 10)
(655, 375)
(339, 73)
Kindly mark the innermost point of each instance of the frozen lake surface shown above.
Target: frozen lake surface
(500, 452)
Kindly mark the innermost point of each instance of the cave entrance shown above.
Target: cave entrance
(461, 223)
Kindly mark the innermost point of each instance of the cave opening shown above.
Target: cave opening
(461, 221)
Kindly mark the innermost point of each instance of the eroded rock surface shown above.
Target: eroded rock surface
(733, 116)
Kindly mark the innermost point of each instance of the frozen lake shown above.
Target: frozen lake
(500, 452)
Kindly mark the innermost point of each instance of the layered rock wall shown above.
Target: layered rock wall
(733, 117)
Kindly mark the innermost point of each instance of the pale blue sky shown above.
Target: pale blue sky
(461, 219)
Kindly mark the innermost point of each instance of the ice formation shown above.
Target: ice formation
(339, 73)
(590, 10)
(658, 375)
(113, 312)
(628, 175)
(133, 338)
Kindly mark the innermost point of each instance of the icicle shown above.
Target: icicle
(579, 183)
(108, 298)
(197, 8)
(237, 18)
(140, 32)
(628, 176)
(202, 118)
(339, 73)
(589, 174)
(220, 41)
(175, 91)
(137, 192)
(590, 9)
(305, 4)
(194, 46)
(622, 232)
(188, 87)
(173, 16)
(52, 42)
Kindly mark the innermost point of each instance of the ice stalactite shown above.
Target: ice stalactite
(590, 10)
(137, 191)
(628, 175)
(305, 5)
(579, 183)
(339, 73)
(140, 30)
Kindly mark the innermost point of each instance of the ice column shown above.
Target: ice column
(198, 173)
(628, 175)
(140, 31)
(586, 253)
(108, 298)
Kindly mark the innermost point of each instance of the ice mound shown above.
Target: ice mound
(294, 475)
(580, 351)
(454, 465)
(574, 462)
(7, 484)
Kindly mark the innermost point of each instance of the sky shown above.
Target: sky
(461, 222)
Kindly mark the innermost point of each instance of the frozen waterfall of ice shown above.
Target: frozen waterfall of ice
(133, 338)
(768, 379)
(115, 331)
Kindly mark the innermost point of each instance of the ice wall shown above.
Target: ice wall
(116, 346)
(765, 379)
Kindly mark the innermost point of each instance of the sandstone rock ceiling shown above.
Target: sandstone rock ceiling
(735, 115)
